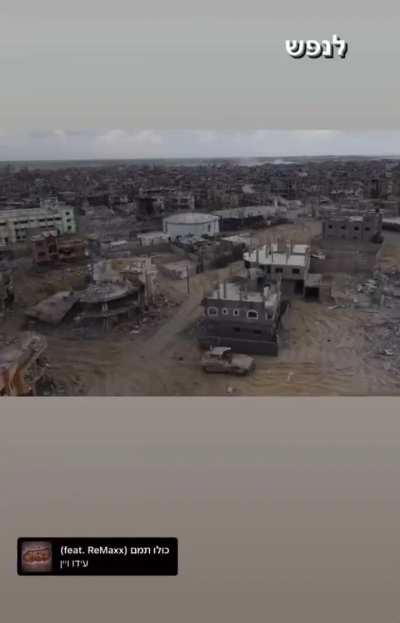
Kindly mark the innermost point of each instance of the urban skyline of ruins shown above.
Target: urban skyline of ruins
(115, 264)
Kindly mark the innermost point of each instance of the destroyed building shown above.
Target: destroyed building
(107, 302)
(209, 253)
(282, 259)
(44, 247)
(349, 244)
(16, 225)
(48, 248)
(22, 364)
(180, 200)
(363, 228)
(150, 203)
(292, 264)
(250, 216)
(139, 269)
(114, 293)
(72, 248)
(116, 248)
(152, 239)
(318, 287)
(117, 288)
(156, 201)
(243, 315)
(54, 309)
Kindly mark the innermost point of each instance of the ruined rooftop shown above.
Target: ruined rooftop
(235, 291)
(296, 255)
(105, 292)
(54, 308)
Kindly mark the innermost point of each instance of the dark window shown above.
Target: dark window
(236, 329)
(343, 227)
(252, 314)
(279, 270)
(296, 271)
(330, 226)
(257, 331)
(367, 229)
(356, 228)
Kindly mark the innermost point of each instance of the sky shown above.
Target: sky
(63, 144)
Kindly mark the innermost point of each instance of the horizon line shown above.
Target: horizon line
(244, 157)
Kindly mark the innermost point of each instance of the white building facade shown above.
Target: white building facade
(17, 225)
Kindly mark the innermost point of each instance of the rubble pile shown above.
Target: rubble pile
(150, 317)
(380, 296)
(378, 292)
(384, 339)
(384, 333)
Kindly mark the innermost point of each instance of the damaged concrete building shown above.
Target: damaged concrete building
(22, 364)
(349, 244)
(117, 288)
(16, 225)
(107, 302)
(284, 260)
(207, 254)
(135, 269)
(120, 289)
(250, 216)
(244, 315)
(151, 202)
(48, 248)
(53, 309)
(292, 264)
(318, 287)
(44, 247)
(363, 228)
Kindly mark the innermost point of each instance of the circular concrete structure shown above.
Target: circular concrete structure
(191, 224)
(105, 293)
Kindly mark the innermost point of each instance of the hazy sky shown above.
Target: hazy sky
(116, 143)
(130, 64)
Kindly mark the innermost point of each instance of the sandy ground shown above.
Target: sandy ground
(323, 351)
